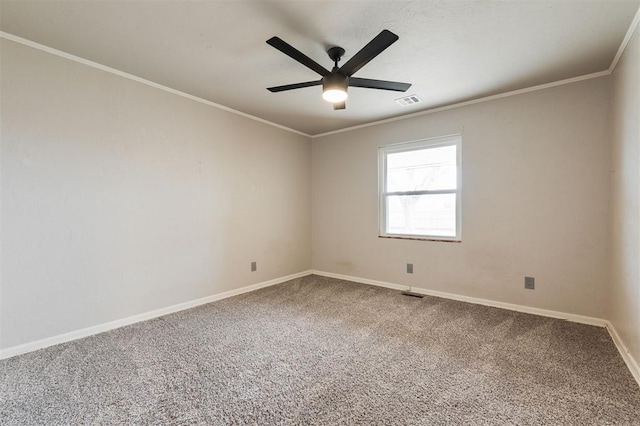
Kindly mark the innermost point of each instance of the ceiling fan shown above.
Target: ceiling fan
(335, 82)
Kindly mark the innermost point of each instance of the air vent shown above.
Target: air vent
(409, 100)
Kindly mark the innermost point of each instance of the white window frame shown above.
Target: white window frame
(436, 142)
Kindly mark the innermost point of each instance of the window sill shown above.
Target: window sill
(416, 238)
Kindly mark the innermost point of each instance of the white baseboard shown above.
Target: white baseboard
(632, 364)
(362, 280)
(475, 300)
(101, 328)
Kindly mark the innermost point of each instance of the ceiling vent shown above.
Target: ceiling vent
(409, 100)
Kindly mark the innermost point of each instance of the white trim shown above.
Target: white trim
(621, 49)
(361, 280)
(383, 194)
(101, 328)
(119, 73)
(632, 364)
(625, 41)
(475, 300)
(471, 102)
(29, 43)
(105, 68)
(623, 45)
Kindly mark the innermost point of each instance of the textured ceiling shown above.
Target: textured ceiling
(451, 51)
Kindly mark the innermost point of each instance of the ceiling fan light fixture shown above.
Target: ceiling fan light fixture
(334, 87)
(334, 95)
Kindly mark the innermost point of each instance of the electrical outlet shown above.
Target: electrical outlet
(254, 266)
(409, 268)
(529, 283)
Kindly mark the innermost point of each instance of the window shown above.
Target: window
(420, 189)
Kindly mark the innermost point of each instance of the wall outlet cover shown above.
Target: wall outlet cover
(529, 283)
(254, 266)
(409, 268)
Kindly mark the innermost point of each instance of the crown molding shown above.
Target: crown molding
(625, 41)
(609, 71)
(471, 102)
(62, 54)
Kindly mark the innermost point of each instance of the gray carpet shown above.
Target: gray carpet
(322, 351)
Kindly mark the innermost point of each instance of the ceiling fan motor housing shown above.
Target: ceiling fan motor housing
(335, 81)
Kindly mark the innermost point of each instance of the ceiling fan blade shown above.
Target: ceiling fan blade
(294, 53)
(294, 86)
(340, 105)
(380, 42)
(379, 84)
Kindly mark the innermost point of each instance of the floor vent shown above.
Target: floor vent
(409, 100)
(412, 294)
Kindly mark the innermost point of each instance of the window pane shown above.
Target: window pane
(422, 169)
(432, 215)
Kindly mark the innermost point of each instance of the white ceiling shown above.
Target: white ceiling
(451, 51)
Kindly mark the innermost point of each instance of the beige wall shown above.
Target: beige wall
(625, 195)
(535, 200)
(118, 198)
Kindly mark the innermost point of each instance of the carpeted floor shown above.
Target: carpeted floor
(317, 350)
